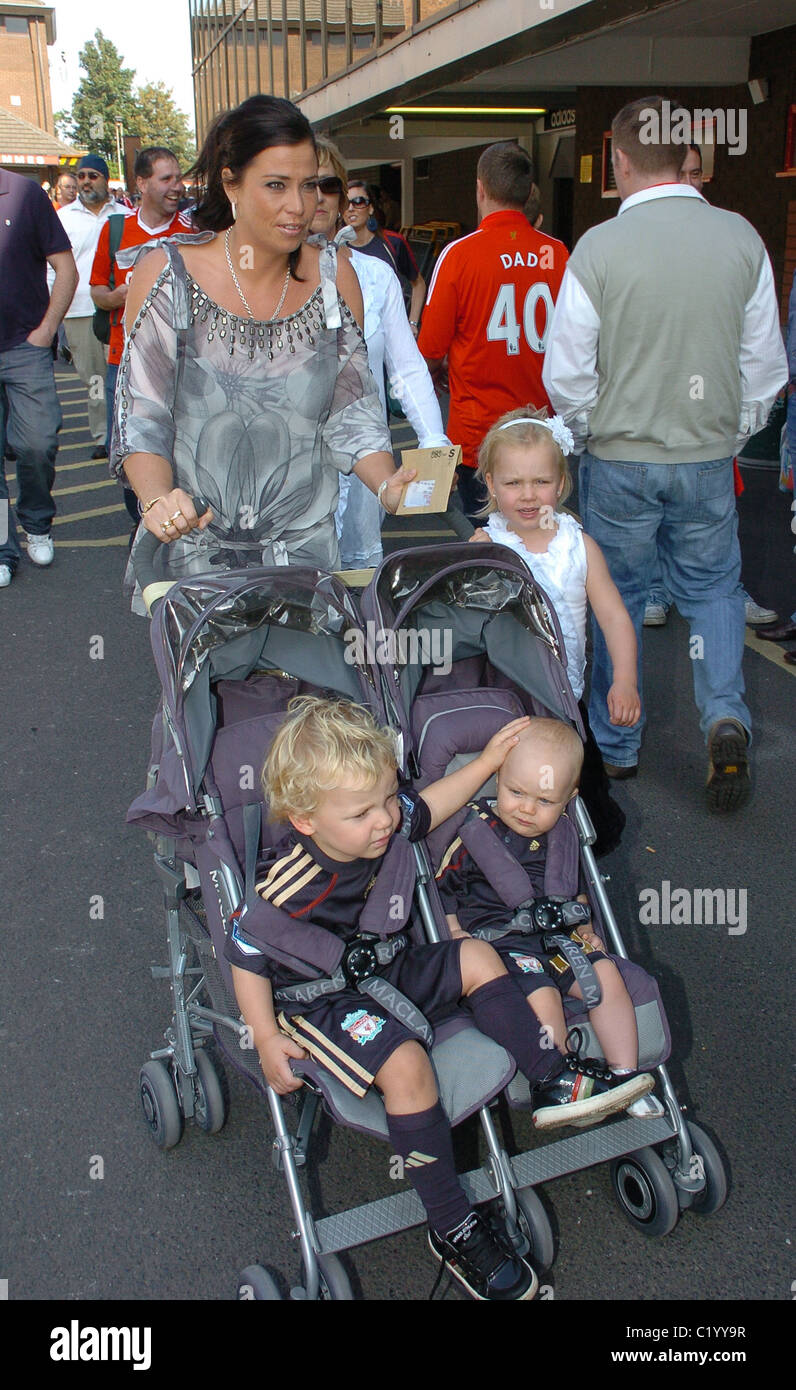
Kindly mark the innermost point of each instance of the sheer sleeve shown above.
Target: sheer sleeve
(145, 393)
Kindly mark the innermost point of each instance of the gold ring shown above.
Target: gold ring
(176, 514)
(164, 525)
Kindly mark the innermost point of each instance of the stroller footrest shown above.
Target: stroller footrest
(597, 1145)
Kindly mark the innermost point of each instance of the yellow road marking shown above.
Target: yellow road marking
(78, 545)
(81, 487)
(89, 463)
(772, 651)
(83, 516)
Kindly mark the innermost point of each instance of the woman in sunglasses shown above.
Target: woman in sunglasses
(245, 377)
(391, 247)
(391, 347)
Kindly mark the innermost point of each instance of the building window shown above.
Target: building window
(16, 24)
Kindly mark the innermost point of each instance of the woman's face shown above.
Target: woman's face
(359, 208)
(277, 197)
(325, 219)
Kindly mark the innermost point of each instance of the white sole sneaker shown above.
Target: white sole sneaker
(40, 550)
(655, 615)
(755, 616)
(5, 576)
(583, 1112)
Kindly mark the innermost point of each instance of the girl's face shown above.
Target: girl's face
(325, 219)
(526, 485)
(359, 208)
(277, 197)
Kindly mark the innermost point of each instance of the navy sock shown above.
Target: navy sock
(423, 1141)
(500, 1010)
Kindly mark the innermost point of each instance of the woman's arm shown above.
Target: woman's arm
(409, 376)
(624, 705)
(417, 301)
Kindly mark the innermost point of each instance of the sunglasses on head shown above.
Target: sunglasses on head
(330, 185)
(359, 202)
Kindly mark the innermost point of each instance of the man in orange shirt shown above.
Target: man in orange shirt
(489, 307)
(159, 181)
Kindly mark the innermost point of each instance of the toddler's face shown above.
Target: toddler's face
(534, 785)
(526, 485)
(355, 822)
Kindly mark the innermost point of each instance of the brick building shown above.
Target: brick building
(26, 28)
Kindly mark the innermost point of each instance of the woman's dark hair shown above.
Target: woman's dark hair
(233, 140)
(373, 195)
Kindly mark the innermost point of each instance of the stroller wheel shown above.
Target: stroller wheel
(535, 1226)
(714, 1194)
(335, 1283)
(255, 1283)
(160, 1105)
(210, 1103)
(645, 1192)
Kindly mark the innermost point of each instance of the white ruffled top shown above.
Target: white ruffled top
(561, 571)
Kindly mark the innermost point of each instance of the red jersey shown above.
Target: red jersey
(134, 233)
(489, 309)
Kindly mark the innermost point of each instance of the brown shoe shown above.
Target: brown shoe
(618, 773)
(783, 632)
(729, 786)
(790, 657)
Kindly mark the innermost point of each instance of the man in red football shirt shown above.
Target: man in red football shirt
(489, 307)
(159, 181)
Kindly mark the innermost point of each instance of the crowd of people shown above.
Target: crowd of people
(241, 351)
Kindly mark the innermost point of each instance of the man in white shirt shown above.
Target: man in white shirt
(665, 355)
(83, 220)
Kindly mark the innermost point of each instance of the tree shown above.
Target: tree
(105, 96)
(158, 121)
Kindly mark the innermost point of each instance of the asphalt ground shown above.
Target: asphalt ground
(84, 923)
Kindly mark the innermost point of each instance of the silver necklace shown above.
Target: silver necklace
(275, 314)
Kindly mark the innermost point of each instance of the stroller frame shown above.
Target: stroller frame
(192, 1090)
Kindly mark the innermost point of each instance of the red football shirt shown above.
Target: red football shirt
(134, 233)
(489, 308)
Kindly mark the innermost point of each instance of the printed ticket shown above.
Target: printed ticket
(430, 490)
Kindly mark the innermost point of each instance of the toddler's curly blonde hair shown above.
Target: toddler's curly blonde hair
(322, 745)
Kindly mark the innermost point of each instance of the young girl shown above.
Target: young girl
(522, 462)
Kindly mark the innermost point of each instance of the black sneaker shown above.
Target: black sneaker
(584, 1090)
(483, 1262)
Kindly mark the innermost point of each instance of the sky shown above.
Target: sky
(152, 36)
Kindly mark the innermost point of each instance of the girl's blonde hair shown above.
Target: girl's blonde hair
(521, 435)
(321, 745)
(328, 153)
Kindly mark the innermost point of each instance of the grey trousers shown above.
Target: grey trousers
(88, 355)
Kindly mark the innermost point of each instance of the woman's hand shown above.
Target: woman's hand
(173, 515)
(275, 1053)
(479, 534)
(392, 493)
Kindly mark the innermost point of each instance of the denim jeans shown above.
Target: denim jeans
(685, 514)
(30, 418)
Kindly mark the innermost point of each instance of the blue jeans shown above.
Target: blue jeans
(30, 418)
(685, 514)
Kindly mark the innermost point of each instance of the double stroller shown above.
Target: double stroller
(444, 646)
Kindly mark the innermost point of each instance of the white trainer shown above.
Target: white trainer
(5, 576)
(40, 549)
(757, 616)
(655, 614)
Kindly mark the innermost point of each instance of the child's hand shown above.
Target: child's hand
(502, 743)
(591, 938)
(624, 705)
(275, 1052)
(479, 535)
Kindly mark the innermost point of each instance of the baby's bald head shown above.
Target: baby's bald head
(549, 755)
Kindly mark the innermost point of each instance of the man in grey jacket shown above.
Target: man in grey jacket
(665, 355)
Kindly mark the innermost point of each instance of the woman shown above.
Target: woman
(244, 378)
(389, 247)
(390, 344)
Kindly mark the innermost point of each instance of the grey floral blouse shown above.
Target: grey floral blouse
(258, 417)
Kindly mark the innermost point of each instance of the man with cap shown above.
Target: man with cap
(83, 221)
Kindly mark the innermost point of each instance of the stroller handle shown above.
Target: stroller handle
(144, 559)
(459, 523)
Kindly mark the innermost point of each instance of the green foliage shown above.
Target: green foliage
(159, 122)
(106, 95)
